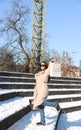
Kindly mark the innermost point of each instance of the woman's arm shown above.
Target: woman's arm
(49, 67)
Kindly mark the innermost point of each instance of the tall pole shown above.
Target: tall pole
(38, 31)
(39, 37)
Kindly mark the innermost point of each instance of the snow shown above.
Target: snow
(70, 104)
(29, 121)
(69, 121)
(3, 91)
(64, 96)
(10, 77)
(17, 83)
(8, 107)
(78, 85)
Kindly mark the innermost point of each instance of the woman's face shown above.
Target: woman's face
(42, 66)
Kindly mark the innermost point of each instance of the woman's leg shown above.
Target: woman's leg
(42, 115)
(41, 109)
(51, 104)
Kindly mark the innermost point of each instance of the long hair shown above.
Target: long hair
(46, 65)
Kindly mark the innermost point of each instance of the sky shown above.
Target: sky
(63, 24)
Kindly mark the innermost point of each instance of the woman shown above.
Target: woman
(41, 91)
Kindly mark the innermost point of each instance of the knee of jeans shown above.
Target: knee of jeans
(40, 106)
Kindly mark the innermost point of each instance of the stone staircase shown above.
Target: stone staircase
(67, 91)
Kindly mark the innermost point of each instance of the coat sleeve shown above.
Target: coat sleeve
(49, 68)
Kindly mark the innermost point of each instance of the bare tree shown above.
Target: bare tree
(63, 58)
(15, 29)
(6, 59)
(66, 59)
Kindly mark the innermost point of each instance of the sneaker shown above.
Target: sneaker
(58, 107)
(40, 123)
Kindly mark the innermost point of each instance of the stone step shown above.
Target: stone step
(27, 93)
(61, 89)
(30, 75)
(20, 85)
(71, 106)
(71, 109)
(65, 98)
(32, 79)
(16, 79)
(64, 81)
(9, 120)
(61, 92)
(51, 92)
(57, 97)
(64, 86)
(66, 78)
(22, 74)
(57, 120)
(6, 96)
(16, 74)
(16, 85)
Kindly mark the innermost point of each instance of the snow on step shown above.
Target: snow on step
(4, 91)
(9, 107)
(64, 96)
(28, 122)
(22, 83)
(28, 83)
(70, 104)
(10, 77)
(70, 121)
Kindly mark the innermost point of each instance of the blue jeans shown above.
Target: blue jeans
(41, 109)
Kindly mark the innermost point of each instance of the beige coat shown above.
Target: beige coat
(41, 88)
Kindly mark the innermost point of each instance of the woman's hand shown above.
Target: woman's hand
(53, 60)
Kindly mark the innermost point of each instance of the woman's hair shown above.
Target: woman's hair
(46, 65)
